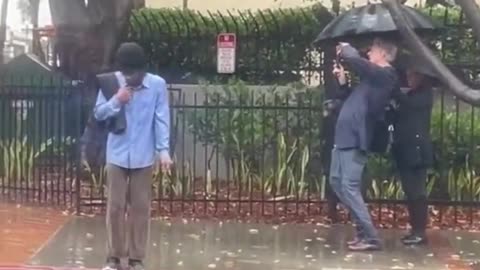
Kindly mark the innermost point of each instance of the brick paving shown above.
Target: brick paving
(24, 230)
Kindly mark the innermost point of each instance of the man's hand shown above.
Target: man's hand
(339, 73)
(124, 95)
(340, 46)
(165, 162)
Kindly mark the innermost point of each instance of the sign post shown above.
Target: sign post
(226, 50)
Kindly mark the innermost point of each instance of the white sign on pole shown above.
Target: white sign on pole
(226, 50)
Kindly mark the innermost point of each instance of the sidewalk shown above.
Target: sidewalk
(203, 245)
(23, 231)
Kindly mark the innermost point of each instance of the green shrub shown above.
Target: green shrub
(274, 46)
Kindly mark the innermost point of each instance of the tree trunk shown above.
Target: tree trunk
(453, 84)
(87, 34)
(3, 29)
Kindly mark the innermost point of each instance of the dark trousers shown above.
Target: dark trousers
(414, 184)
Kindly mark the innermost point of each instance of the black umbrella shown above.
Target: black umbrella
(372, 19)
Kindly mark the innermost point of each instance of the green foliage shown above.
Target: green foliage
(273, 45)
(270, 131)
(271, 135)
(455, 43)
(18, 156)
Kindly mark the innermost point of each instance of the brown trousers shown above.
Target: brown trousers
(128, 211)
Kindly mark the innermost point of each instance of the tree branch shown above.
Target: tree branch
(457, 87)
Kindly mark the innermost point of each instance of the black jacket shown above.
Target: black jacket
(412, 146)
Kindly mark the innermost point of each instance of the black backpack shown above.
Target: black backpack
(94, 139)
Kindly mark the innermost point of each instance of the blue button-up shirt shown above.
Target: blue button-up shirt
(148, 120)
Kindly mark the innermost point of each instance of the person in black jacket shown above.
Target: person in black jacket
(412, 146)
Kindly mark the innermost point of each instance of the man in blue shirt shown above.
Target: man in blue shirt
(363, 107)
(132, 154)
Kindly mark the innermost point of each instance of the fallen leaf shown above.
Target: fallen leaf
(455, 257)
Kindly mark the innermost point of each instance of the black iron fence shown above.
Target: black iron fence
(39, 128)
(239, 151)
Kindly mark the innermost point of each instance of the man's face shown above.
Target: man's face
(134, 79)
(376, 54)
(414, 79)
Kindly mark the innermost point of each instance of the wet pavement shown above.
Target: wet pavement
(207, 245)
(23, 231)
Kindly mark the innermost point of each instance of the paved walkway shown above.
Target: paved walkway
(204, 245)
(23, 231)
(28, 238)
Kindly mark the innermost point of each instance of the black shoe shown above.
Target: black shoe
(414, 240)
(406, 236)
(136, 265)
(112, 264)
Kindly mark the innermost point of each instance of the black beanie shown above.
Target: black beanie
(130, 57)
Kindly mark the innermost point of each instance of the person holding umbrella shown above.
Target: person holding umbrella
(412, 147)
(364, 106)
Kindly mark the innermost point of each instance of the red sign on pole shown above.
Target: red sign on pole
(226, 50)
